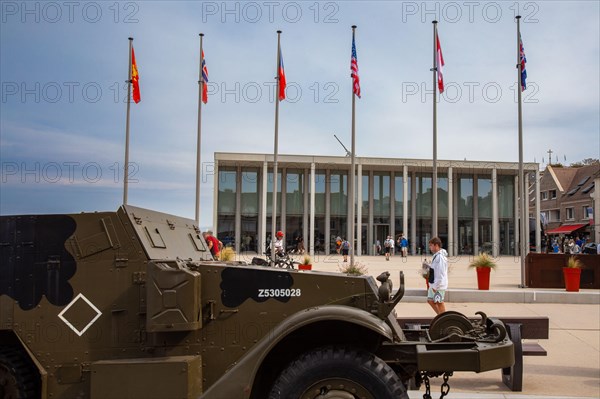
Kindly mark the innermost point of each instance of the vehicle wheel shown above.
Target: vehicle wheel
(340, 373)
(17, 376)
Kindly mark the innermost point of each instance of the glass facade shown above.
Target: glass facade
(338, 202)
(442, 210)
(249, 210)
(464, 194)
(320, 191)
(381, 207)
(506, 211)
(294, 206)
(365, 198)
(484, 213)
(226, 205)
(423, 186)
(270, 205)
(239, 202)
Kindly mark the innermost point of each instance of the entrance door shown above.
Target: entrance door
(364, 245)
(380, 233)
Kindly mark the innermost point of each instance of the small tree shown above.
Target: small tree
(483, 260)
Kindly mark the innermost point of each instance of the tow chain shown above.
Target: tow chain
(445, 389)
(427, 394)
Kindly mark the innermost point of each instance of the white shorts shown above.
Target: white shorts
(436, 297)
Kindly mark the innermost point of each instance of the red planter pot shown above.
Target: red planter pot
(572, 277)
(304, 267)
(483, 278)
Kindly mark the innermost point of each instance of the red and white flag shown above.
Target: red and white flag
(439, 64)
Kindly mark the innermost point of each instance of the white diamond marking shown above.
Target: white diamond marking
(71, 326)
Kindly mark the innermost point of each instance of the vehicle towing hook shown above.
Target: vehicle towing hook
(387, 303)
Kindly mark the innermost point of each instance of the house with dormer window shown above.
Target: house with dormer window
(566, 199)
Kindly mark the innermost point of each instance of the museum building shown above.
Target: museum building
(477, 202)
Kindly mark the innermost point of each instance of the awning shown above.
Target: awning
(566, 228)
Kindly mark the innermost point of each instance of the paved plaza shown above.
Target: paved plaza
(572, 367)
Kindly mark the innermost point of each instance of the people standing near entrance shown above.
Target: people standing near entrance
(403, 245)
(389, 247)
(345, 248)
(439, 268)
(300, 245)
(378, 247)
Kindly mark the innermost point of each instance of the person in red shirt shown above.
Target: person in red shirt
(214, 245)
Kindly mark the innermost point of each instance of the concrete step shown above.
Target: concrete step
(586, 297)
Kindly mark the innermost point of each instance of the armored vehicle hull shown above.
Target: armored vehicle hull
(131, 304)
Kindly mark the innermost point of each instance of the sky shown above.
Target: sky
(63, 67)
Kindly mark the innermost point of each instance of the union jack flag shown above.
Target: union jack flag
(354, 69)
(523, 61)
(204, 79)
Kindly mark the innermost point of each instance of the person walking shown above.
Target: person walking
(345, 248)
(438, 277)
(300, 245)
(389, 247)
(403, 245)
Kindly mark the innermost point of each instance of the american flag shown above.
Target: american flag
(523, 61)
(354, 69)
(204, 79)
(439, 64)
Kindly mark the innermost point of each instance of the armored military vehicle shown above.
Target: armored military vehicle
(130, 304)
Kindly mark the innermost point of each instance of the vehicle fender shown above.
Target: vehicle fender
(237, 381)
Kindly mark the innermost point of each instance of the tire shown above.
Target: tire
(18, 378)
(332, 372)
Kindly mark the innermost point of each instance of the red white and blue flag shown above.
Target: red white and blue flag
(354, 70)
(281, 77)
(523, 61)
(204, 79)
(439, 64)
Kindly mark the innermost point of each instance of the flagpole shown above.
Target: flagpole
(434, 193)
(522, 184)
(126, 171)
(198, 140)
(352, 171)
(275, 152)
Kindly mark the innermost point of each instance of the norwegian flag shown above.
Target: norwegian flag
(354, 69)
(204, 79)
(281, 77)
(523, 61)
(439, 64)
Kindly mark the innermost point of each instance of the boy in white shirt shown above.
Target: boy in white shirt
(439, 268)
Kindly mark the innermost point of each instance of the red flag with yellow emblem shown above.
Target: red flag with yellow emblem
(135, 78)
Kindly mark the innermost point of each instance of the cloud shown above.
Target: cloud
(393, 119)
